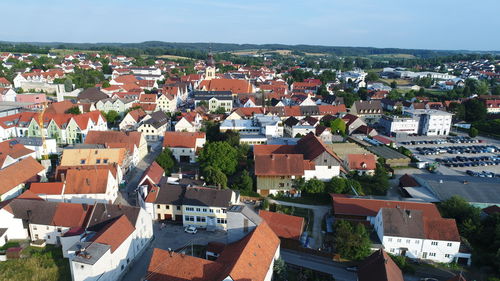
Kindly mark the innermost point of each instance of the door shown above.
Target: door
(159, 216)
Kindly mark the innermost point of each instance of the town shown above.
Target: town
(208, 163)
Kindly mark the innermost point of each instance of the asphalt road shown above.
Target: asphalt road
(316, 263)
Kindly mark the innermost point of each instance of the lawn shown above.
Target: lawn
(172, 57)
(307, 214)
(401, 82)
(46, 264)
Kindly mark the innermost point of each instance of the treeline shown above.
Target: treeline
(198, 50)
(23, 48)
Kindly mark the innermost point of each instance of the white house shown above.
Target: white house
(153, 128)
(14, 177)
(7, 94)
(410, 233)
(184, 145)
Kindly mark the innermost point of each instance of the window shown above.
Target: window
(158, 206)
(190, 209)
(204, 210)
(167, 207)
(178, 208)
(449, 244)
(36, 236)
(399, 240)
(34, 227)
(407, 241)
(105, 161)
(224, 211)
(282, 184)
(392, 250)
(434, 243)
(122, 267)
(82, 267)
(211, 211)
(447, 255)
(59, 229)
(189, 218)
(82, 161)
(432, 254)
(221, 221)
(198, 209)
(282, 177)
(201, 219)
(390, 239)
(98, 161)
(417, 242)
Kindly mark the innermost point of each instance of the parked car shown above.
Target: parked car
(191, 229)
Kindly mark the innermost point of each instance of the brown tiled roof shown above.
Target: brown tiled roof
(182, 139)
(345, 205)
(249, 111)
(115, 233)
(268, 149)
(379, 267)
(23, 171)
(279, 165)
(114, 139)
(407, 181)
(285, 226)
(59, 107)
(361, 161)
(441, 229)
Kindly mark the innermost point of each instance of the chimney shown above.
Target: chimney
(170, 252)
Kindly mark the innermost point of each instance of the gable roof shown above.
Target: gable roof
(114, 233)
(361, 161)
(202, 196)
(115, 139)
(86, 181)
(92, 94)
(236, 86)
(14, 149)
(379, 267)
(345, 205)
(182, 139)
(279, 165)
(285, 226)
(18, 173)
(53, 188)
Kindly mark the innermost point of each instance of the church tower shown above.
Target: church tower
(210, 67)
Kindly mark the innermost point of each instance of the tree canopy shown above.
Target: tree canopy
(351, 241)
(221, 155)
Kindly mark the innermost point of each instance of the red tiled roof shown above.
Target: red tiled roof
(86, 181)
(126, 79)
(236, 86)
(345, 205)
(115, 233)
(285, 226)
(182, 139)
(111, 139)
(23, 171)
(382, 139)
(51, 188)
(12, 149)
(361, 161)
(154, 172)
(70, 215)
(171, 266)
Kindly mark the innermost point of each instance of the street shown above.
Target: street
(127, 195)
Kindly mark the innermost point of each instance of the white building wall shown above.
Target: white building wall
(324, 173)
(15, 229)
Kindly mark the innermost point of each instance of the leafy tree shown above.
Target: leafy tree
(221, 155)
(372, 76)
(74, 110)
(265, 204)
(378, 184)
(215, 176)
(314, 186)
(352, 242)
(458, 109)
(336, 185)
(68, 85)
(166, 160)
(473, 132)
(106, 84)
(475, 110)
(466, 215)
(212, 131)
(231, 137)
(338, 126)
(219, 110)
(394, 84)
(245, 182)
(112, 116)
(279, 270)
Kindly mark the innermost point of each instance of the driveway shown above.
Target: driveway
(173, 237)
(319, 214)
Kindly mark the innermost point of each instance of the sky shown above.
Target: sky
(415, 24)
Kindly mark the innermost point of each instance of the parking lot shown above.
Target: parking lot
(461, 154)
(171, 236)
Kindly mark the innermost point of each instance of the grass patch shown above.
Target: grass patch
(10, 244)
(307, 214)
(46, 264)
